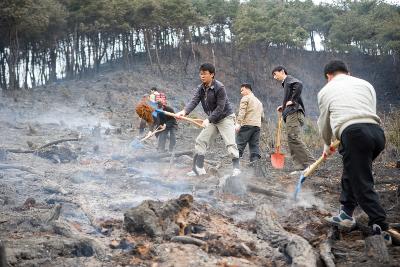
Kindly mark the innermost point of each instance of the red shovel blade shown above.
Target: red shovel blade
(278, 160)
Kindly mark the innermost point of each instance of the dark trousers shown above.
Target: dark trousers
(360, 145)
(251, 135)
(162, 139)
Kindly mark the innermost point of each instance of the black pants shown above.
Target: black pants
(360, 145)
(162, 139)
(249, 134)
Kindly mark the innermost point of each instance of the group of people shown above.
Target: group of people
(347, 113)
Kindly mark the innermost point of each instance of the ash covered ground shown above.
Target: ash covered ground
(64, 204)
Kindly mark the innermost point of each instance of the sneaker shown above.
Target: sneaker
(236, 172)
(342, 220)
(377, 230)
(200, 171)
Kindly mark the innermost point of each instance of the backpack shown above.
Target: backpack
(162, 98)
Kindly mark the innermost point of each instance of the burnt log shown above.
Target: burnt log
(3, 258)
(376, 249)
(266, 191)
(325, 250)
(159, 219)
(295, 247)
(189, 240)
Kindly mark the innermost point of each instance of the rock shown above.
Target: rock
(159, 219)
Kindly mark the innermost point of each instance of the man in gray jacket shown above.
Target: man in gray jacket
(348, 112)
(221, 119)
(293, 111)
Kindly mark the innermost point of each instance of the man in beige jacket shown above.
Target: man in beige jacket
(249, 122)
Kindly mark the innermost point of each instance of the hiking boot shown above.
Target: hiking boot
(236, 172)
(200, 171)
(343, 220)
(377, 230)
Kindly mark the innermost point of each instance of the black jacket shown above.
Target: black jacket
(169, 121)
(292, 92)
(214, 100)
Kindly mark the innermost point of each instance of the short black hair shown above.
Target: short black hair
(153, 89)
(279, 68)
(208, 66)
(246, 85)
(335, 66)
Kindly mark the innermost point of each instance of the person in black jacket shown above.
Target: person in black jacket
(293, 112)
(221, 119)
(170, 125)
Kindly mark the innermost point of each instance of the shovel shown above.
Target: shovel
(278, 159)
(310, 170)
(197, 122)
(137, 143)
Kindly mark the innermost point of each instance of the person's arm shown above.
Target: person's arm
(296, 89)
(242, 109)
(221, 100)
(324, 124)
(262, 114)
(193, 103)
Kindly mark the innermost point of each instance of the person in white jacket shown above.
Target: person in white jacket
(348, 112)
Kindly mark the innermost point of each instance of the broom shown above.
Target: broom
(145, 111)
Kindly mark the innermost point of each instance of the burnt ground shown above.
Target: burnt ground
(64, 205)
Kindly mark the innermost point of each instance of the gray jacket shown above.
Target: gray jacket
(214, 100)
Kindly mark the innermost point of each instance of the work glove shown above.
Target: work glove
(237, 127)
(205, 123)
(181, 113)
(328, 150)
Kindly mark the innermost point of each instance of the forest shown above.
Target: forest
(46, 40)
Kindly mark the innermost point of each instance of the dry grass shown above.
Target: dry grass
(391, 125)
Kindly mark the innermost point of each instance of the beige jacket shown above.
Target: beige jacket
(344, 101)
(250, 111)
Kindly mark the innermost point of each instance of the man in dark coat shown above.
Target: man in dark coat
(293, 112)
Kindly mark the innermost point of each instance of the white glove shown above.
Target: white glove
(205, 123)
(181, 113)
(328, 150)
(237, 127)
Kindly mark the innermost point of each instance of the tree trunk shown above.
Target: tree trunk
(147, 45)
(53, 60)
(312, 41)
(26, 68)
(13, 59)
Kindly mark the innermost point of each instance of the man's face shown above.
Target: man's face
(206, 77)
(279, 75)
(244, 91)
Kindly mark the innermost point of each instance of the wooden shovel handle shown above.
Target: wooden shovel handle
(278, 134)
(310, 169)
(158, 129)
(194, 121)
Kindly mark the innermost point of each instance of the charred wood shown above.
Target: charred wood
(376, 249)
(3, 258)
(266, 191)
(325, 250)
(297, 248)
